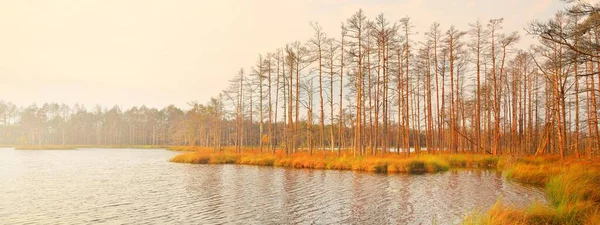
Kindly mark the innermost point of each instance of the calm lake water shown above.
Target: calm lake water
(139, 186)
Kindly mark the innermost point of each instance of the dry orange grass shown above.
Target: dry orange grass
(501, 214)
(537, 175)
(536, 213)
(571, 187)
(318, 160)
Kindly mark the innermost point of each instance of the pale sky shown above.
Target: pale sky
(161, 52)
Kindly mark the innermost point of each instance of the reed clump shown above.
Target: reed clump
(500, 214)
(471, 161)
(571, 188)
(191, 157)
(537, 175)
(262, 160)
(224, 158)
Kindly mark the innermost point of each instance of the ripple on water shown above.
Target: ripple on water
(129, 186)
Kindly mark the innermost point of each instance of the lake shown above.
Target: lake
(140, 186)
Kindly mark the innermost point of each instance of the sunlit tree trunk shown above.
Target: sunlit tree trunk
(356, 25)
(318, 43)
(434, 35)
(406, 26)
(341, 106)
(493, 26)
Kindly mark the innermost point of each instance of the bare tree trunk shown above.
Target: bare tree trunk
(494, 24)
(386, 107)
(434, 33)
(270, 123)
(318, 41)
(241, 104)
(478, 31)
(309, 115)
(428, 102)
(407, 118)
(297, 100)
(341, 116)
(443, 108)
(400, 101)
(274, 134)
(377, 98)
(369, 93)
(290, 133)
(260, 107)
(593, 93)
(576, 73)
(331, 79)
(452, 109)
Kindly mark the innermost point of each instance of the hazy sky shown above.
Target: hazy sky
(160, 52)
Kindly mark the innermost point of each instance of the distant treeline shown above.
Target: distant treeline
(61, 124)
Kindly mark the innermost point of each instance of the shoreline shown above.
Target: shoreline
(389, 164)
(570, 185)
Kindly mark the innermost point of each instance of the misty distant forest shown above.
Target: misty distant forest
(376, 87)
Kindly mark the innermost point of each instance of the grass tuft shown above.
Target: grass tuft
(537, 175)
(224, 158)
(191, 157)
(572, 190)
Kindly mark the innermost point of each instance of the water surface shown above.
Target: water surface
(133, 186)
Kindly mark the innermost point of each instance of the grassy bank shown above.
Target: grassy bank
(381, 164)
(572, 188)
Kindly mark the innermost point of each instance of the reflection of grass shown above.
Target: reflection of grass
(45, 147)
(572, 187)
